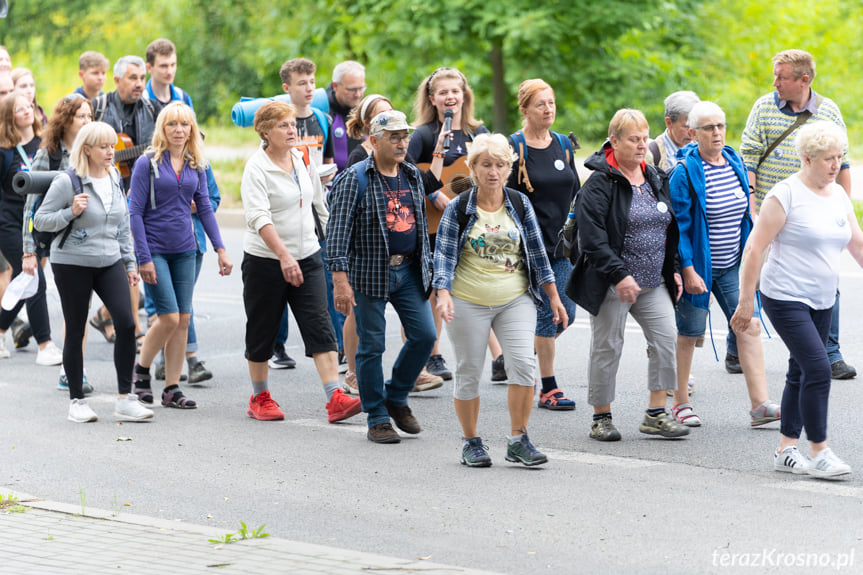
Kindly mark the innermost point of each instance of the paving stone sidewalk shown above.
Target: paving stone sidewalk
(46, 538)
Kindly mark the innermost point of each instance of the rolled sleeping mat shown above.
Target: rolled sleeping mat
(243, 112)
(33, 182)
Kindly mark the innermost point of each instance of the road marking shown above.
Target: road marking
(317, 423)
(821, 487)
(597, 459)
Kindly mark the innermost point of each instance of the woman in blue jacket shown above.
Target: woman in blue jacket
(710, 196)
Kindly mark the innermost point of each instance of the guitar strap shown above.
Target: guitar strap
(101, 101)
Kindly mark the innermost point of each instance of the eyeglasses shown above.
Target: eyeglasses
(711, 127)
(357, 90)
(394, 139)
(71, 97)
(22, 109)
(84, 116)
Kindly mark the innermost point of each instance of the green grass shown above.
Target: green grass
(229, 175)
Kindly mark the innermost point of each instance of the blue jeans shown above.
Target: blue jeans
(833, 352)
(336, 317)
(691, 320)
(407, 295)
(807, 382)
(175, 282)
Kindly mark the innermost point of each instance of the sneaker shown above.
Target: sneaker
(343, 362)
(764, 413)
(341, 407)
(838, 370)
(264, 407)
(555, 400)
(198, 373)
(350, 385)
(690, 386)
(159, 372)
(49, 355)
(684, 414)
(827, 464)
(732, 364)
(662, 424)
(4, 352)
(80, 412)
(437, 366)
(383, 433)
(63, 384)
(790, 460)
(21, 333)
(498, 369)
(130, 409)
(426, 381)
(523, 451)
(604, 430)
(474, 453)
(404, 418)
(280, 359)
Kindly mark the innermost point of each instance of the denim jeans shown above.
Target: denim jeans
(833, 352)
(407, 295)
(175, 282)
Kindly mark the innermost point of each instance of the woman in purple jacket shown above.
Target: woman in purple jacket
(166, 181)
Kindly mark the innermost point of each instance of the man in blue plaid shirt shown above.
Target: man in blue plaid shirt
(378, 252)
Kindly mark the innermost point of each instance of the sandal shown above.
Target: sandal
(173, 397)
(555, 400)
(99, 325)
(684, 414)
(145, 394)
(139, 341)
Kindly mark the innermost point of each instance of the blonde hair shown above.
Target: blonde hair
(426, 113)
(93, 134)
(361, 117)
(194, 151)
(624, 120)
(527, 90)
(496, 146)
(818, 137)
(269, 115)
(800, 60)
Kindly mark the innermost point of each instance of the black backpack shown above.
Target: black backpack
(43, 239)
(514, 198)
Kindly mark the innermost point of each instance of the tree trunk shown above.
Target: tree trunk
(499, 109)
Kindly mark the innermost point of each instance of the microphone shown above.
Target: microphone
(447, 126)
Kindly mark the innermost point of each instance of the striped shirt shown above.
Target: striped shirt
(725, 203)
(767, 121)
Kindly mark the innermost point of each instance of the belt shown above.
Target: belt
(399, 259)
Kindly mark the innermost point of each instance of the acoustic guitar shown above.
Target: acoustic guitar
(125, 154)
(456, 179)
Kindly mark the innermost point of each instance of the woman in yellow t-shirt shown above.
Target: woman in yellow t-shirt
(488, 270)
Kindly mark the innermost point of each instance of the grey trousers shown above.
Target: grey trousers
(513, 324)
(654, 312)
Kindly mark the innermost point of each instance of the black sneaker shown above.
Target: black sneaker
(437, 366)
(524, 452)
(732, 364)
(198, 373)
(343, 362)
(498, 369)
(21, 333)
(474, 453)
(383, 433)
(838, 370)
(280, 359)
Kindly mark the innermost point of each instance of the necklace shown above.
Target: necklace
(398, 180)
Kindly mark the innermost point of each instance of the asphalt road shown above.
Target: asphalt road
(707, 503)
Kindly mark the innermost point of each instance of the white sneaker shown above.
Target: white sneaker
(80, 412)
(790, 460)
(827, 464)
(4, 353)
(130, 409)
(49, 355)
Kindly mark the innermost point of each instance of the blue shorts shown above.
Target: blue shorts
(545, 326)
(692, 321)
(175, 282)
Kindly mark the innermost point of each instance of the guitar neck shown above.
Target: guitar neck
(128, 154)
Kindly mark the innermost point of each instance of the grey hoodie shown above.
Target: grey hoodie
(98, 239)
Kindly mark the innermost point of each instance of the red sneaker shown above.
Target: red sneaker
(342, 407)
(264, 407)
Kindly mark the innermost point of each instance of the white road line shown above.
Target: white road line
(825, 487)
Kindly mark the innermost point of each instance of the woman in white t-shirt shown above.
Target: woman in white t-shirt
(809, 220)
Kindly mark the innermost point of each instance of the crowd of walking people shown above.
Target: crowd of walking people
(350, 207)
